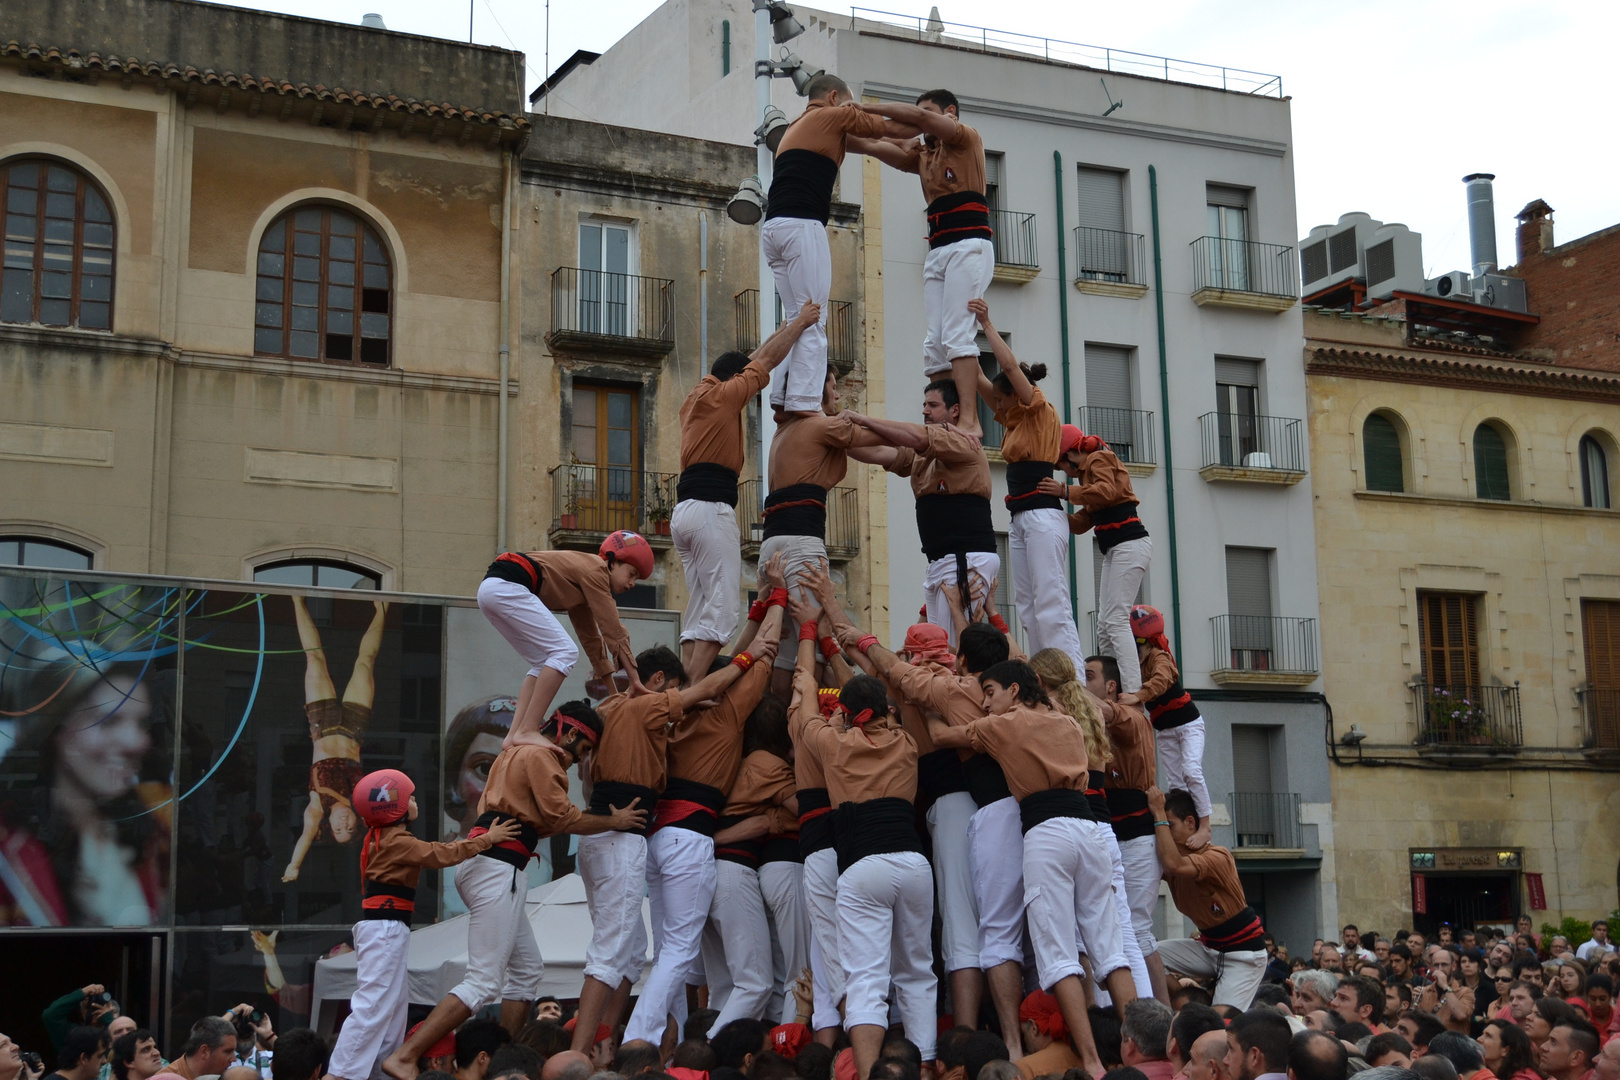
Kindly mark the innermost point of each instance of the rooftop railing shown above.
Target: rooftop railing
(1266, 819)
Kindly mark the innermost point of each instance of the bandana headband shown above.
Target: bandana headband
(564, 720)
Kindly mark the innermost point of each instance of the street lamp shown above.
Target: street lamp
(784, 27)
(747, 206)
(771, 128)
(801, 75)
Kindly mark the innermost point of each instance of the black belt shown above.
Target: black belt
(519, 569)
(1113, 525)
(796, 510)
(606, 794)
(801, 186)
(1128, 813)
(391, 903)
(781, 847)
(1023, 480)
(961, 215)
(1097, 796)
(1039, 806)
(939, 773)
(985, 780)
(1172, 709)
(687, 804)
(742, 852)
(1243, 932)
(516, 852)
(874, 827)
(707, 482)
(954, 525)
(815, 820)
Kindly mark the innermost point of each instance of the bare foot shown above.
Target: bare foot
(400, 1069)
(525, 738)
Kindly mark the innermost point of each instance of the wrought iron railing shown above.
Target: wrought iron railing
(1014, 239)
(1460, 715)
(1246, 266)
(600, 304)
(1109, 256)
(1266, 819)
(1128, 432)
(606, 498)
(1245, 441)
(1265, 643)
(843, 517)
(843, 329)
(1600, 717)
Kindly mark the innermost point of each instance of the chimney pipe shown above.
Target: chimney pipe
(1481, 222)
(373, 20)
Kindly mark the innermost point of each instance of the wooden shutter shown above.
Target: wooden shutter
(1251, 758)
(1450, 638)
(1490, 464)
(1102, 199)
(1248, 581)
(1601, 622)
(1381, 454)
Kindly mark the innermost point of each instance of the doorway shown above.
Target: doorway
(1464, 899)
(129, 965)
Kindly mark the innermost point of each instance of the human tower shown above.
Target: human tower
(767, 799)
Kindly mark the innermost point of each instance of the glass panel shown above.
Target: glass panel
(306, 243)
(376, 276)
(49, 556)
(54, 312)
(216, 969)
(22, 201)
(95, 287)
(308, 218)
(340, 322)
(341, 224)
(270, 263)
(95, 207)
(584, 425)
(61, 206)
(17, 296)
(20, 256)
(305, 318)
(340, 247)
(267, 314)
(96, 261)
(340, 296)
(306, 269)
(275, 237)
(340, 273)
(616, 250)
(621, 407)
(57, 285)
(373, 326)
(20, 226)
(24, 174)
(98, 235)
(96, 315)
(374, 249)
(60, 179)
(303, 344)
(59, 229)
(590, 247)
(306, 293)
(270, 288)
(59, 257)
(619, 447)
(267, 341)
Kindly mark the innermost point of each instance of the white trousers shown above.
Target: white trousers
(1140, 859)
(782, 886)
(1237, 974)
(613, 866)
(737, 946)
(799, 555)
(942, 572)
(705, 535)
(948, 821)
(821, 904)
(503, 960)
(996, 850)
(381, 995)
(1038, 548)
(1122, 569)
(1181, 762)
(1068, 893)
(885, 915)
(1127, 929)
(680, 884)
(527, 625)
(953, 275)
(797, 252)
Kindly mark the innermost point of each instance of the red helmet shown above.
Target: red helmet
(1075, 439)
(1146, 622)
(631, 548)
(383, 797)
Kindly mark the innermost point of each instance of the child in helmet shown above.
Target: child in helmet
(391, 860)
(1177, 725)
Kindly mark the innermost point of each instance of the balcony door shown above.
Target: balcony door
(1254, 808)
(1227, 213)
(1600, 621)
(1249, 608)
(1237, 405)
(605, 480)
(1103, 252)
(604, 279)
(1109, 403)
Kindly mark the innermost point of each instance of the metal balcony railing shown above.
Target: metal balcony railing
(843, 329)
(1241, 440)
(1266, 819)
(1014, 239)
(595, 303)
(1128, 432)
(1109, 256)
(1245, 266)
(1600, 717)
(1450, 715)
(1265, 643)
(606, 498)
(843, 518)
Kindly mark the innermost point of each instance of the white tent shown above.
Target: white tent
(438, 955)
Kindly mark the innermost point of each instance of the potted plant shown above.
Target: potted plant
(569, 517)
(1454, 713)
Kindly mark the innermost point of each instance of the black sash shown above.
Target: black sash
(606, 794)
(815, 821)
(938, 773)
(961, 215)
(1113, 525)
(392, 903)
(1096, 796)
(874, 827)
(1128, 813)
(1039, 806)
(514, 852)
(781, 847)
(1243, 932)
(519, 569)
(1173, 708)
(802, 185)
(796, 510)
(741, 852)
(1023, 477)
(707, 482)
(954, 525)
(702, 809)
(985, 780)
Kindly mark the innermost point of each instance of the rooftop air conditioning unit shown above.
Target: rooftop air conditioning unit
(1455, 285)
(1392, 260)
(1500, 291)
(1332, 253)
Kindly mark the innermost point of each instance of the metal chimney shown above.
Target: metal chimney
(1481, 222)
(373, 20)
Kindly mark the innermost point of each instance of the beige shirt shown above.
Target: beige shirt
(1131, 737)
(712, 418)
(1038, 749)
(707, 748)
(635, 734)
(810, 450)
(953, 464)
(530, 783)
(878, 761)
(577, 582)
(1034, 431)
(821, 129)
(948, 165)
(399, 857)
(764, 781)
(1215, 893)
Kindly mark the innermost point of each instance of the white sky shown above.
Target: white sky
(1394, 101)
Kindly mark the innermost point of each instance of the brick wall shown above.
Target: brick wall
(1575, 288)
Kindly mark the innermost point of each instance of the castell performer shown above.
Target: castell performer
(1178, 728)
(704, 525)
(1038, 542)
(528, 784)
(391, 861)
(949, 160)
(794, 236)
(1108, 505)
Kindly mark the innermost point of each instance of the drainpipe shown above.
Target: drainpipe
(1063, 339)
(506, 350)
(1164, 398)
(703, 291)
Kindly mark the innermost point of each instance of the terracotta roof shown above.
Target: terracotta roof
(1499, 376)
(131, 67)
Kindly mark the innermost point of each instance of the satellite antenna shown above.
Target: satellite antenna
(1112, 104)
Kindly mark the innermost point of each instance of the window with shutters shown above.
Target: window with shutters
(1227, 225)
(1600, 623)
(994, 162)
(993, 431)
(1251, 631)
(1594, 474)
(1448, 628)
(1381, 454)
(1262, 815)
(1104, 250)
(325, 289)
(1110, 409)
(1237, 409)
(59, 246)
(1491, 463)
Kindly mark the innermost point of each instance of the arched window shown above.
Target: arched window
(325, 288)
(1491, 464)
(59, 247)
(1594, 474)
(325, 573)
(45, 554)
(1381, 453)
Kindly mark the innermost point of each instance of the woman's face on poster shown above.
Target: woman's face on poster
(344, 822)
(481, 754)
(100, 744)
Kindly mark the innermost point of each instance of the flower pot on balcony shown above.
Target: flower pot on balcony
(661, 528)
(569, 521)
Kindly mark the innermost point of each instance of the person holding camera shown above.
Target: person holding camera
(90, 1005)
(255, 1039)
(15, 1064)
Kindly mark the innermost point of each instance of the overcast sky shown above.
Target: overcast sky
(1393, 100)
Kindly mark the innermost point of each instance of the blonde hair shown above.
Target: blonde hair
(1056, 671)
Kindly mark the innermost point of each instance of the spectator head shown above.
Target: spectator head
(135, 1056)
(519, 1062)
(1144, 1033)
(1105, 1033)
(769, 1065)
(300, 1055)
(1359, 999)
(547, 1007)
(1276, 995)
(1434, 1067)
(1257, 1042)
(1002, 1070)
(1570, 1050)
(888, 1069)
(1607, 1066)
(1387, 1072)
(1527, 968)
(698, 1023)
(1463, 1052)
(82, 1052)
(949, 1051)
(1390, 1048)
(1546, 1014)
(1381, 949)
(567, 1065)
(1419, 1028)
(1313, 990)
(736, 1044)
(120, 1026)
(544, 1037)
(240, 1072)
(1190, 1024)
(476, 1043)
(637, 1056)
(1190, 993)
(899, 1048)
(11, 1063)
(1315, 1056)
(978, 1050)
(1369, 969)
(694, 1054)
(1351, 935)
(1125, 1072)
(1040, 1021)
(1330, 959)
(212, 1046)
(814, 1062)
(1208, 1055)
(1397, 999)
(1507, 1049)
(1320, 1020)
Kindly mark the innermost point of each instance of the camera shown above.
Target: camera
(102, 998)
(32, 1062)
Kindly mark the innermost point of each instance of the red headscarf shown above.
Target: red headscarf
(603, 1032)
(789, 1039)
(1041, 1009)
(925, 641)
(442, 1048)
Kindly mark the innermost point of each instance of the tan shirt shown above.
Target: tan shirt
(763, 782)
(810, 450)
(948, 165)
(712, 418)
(862, 764)
(1158, 673)
(1215, 894)
(707, 748)
(577, 582)
(1057, 1058)
(958, 699)
(953, 464)
(399, 857)
(1103, 482)
(821, 129)
(530, 783)
(1034, 431)
(1131, 737)
(1037, 748)
(635, 735)
(807, 770)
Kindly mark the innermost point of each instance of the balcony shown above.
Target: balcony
(1128, 432)
(1110, 263)
(1266, 823)
(590, 501)
(843, 520)
(1467, 720)
(621, 314)
(1018, 259)
(843, 330)
(1243, 274)
(1251, 449)
(1264, 650)
(1600, 721)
